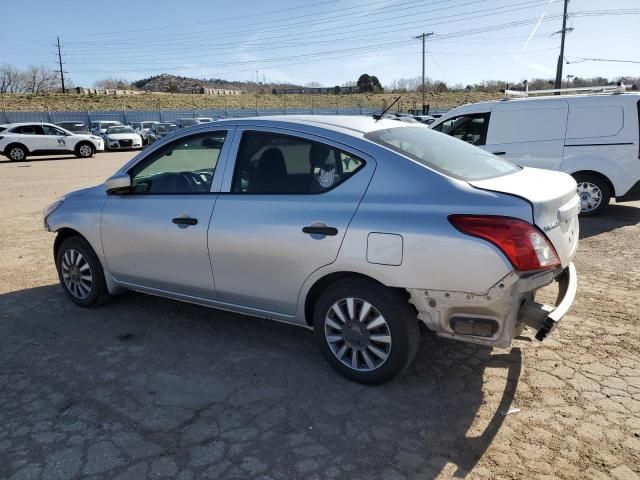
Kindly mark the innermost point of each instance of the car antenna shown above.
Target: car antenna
(380, 115)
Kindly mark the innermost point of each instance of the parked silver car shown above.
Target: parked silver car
(355, 227)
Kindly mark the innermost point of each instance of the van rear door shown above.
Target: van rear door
(529, 133)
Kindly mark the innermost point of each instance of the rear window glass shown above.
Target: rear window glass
(442, 153)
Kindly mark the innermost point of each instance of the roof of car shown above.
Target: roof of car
(360, 124)
(17, 124)
(577, 97)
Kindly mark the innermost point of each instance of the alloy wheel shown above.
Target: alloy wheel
(16, 153)
(590, 196)
(357, 334)
(76, 274)
(85, 150)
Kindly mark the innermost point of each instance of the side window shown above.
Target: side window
(468, 128)
(185, 166)
(30, 130)
(49, 130)
(282, 164)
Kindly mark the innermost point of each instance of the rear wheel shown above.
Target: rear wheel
(80, 273)
(366, 331)
(85, 150)
(594, 193)
(17, 152)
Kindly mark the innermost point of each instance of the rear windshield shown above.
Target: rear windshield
(442, 153)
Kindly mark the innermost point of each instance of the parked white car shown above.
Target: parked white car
(595, 138)
(21, 140)
(143, 128)
(121, 137)
(99, 128)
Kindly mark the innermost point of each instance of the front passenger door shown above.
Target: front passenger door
(155, 237)
(55, 139)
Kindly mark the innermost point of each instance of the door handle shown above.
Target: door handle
(185, 221)
(499, 153)
(320, 230)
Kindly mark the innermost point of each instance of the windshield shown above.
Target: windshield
(120, 130)
(442, 153)
(188, 122)
(147, 124)
(164, 128)
(108, 124)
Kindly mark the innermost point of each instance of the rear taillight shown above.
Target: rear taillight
(526, 247)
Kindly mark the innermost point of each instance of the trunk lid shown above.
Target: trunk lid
(554, 200)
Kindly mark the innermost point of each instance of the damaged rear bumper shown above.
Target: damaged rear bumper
(544, 318)
(495, 317)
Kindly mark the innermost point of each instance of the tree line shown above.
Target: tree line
(33, 79)
(414, 84)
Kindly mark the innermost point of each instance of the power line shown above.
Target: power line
(581, 60)
(349, 36)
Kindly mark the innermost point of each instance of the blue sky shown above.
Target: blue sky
(328, 41)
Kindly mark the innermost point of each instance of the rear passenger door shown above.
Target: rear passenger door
(32, 136)
(285, 205)
(530, 133)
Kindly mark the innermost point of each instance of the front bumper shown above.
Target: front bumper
(116, 145)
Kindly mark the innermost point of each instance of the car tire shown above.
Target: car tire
(16, 152)
(594, 193)
(379, 336)
(85, 150)
(75, 261)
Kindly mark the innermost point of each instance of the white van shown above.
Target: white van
(594, 137)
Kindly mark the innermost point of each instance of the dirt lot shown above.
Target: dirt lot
(145, 387)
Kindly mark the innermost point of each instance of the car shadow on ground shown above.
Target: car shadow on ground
(47, 158)
(226, 396)
(615, 216)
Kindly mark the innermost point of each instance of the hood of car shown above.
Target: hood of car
(123, 136)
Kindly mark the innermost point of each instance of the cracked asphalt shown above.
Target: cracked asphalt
(145, 387)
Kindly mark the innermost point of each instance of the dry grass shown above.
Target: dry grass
(150, 101)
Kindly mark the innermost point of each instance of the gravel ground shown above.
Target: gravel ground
(150, 388)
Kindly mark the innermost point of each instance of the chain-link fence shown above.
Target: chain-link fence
(166, 115)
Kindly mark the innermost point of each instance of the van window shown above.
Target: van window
(442, 153)
(528, 122)
(471, 128)
(589, 122)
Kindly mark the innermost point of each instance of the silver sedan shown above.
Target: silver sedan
(356, 227)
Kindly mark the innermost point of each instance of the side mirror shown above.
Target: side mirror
(118, 183)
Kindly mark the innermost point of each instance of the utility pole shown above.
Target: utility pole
(423, 36)
(562, 32)
(60, 63)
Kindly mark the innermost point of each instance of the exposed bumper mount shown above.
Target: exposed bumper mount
(545, 318)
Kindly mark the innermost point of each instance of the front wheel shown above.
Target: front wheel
(80, 273)
(594, 193)
(85, 150)
(366, 331)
